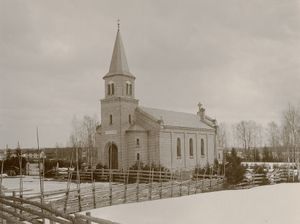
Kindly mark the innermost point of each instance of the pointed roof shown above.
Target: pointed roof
(118, 64)
(175, 119)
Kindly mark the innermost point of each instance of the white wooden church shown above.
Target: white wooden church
(129, 132)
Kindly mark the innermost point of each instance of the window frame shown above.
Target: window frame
(191, 147)
(178, 148)
(110, 119)
(202, 147)
(129, 119)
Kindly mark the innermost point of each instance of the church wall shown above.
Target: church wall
(202, 160)
(120, 109)
(153, 136)
(165, 145)
(178, 162)
(134, 148)
(191, 161)
(168, 148)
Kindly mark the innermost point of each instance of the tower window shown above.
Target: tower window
(137, 141)
(191, 148)
(178, 148)
(110, 119)
(108, 89)
(111, 89)
(202, 146)
(128, 89)
(129, 118)
(137, 156)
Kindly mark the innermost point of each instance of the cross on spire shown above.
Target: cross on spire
(118, 24)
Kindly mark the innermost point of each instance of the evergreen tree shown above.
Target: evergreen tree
(234, 170)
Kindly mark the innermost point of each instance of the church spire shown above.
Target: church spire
(118, 64)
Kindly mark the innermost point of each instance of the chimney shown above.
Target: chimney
(201, 112)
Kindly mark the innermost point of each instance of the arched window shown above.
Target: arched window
(191, 148)
(110, 119)
(202, 146)
(110, 89)
(129, 118)
(137, 141)
(128, 88)
(178, 148)
(137, 156)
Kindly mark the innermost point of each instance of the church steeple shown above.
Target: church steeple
(118, 64)
(119, 82)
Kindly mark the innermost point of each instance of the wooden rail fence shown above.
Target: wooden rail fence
(128, 186)
(19, 211)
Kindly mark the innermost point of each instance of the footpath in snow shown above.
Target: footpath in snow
(273, 204)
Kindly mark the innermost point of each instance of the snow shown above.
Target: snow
(273, 204)
(31, 185)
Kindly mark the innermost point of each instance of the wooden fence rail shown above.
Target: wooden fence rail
(18, 210)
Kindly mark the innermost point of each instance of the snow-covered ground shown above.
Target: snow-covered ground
(273, 204)
(31, 185)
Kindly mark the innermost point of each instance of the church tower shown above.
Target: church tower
(117, 109)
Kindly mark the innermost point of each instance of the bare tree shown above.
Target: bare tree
(273, 135)
(83, 136)
(249, 135)
(222, 135)
(291, 128)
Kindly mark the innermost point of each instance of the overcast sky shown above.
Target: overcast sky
(239, 58)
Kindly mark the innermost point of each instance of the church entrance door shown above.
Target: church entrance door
(113, 157)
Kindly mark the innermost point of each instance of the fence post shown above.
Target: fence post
(110, 187)
(180, 185)
(50, 220)
(160, 180)
(210, 178)
(203, 180)
(172, 183)
(150, 184)
(197, 176)
(79, 199)
(125, 185)
(94, 195)
(14, 195)
(137, 184)
(189, 184)
(89, 215)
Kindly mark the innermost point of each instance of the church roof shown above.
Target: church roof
(118, 64)
(176, 119)
(136, 127)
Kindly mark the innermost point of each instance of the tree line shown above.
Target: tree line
(273, 142)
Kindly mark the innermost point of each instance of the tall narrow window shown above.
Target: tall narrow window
(137, 156)
(112, 89)
(202, 146)
(178, 148)
(110, 119)
(130, 89)
(191, 148)
(137, 141)
(129, 118)
(108, 89)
